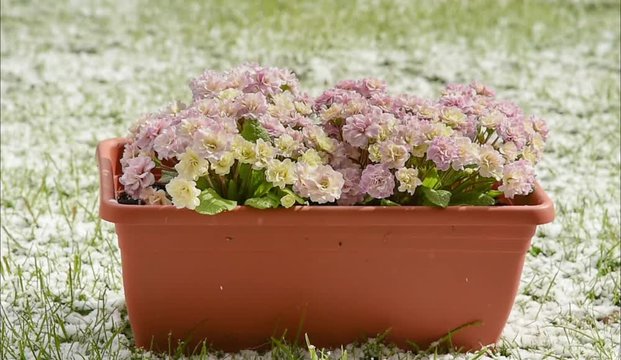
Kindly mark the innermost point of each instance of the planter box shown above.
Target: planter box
(337, 273)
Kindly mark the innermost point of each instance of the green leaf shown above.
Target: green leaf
(286, 191)
(252, 130)
(265, 202)
(433, 197)
(262, 189)
(494, 193)
(431, 179)
(231, 191)
(202, 183)
(535, 250)
(212, 203)
(477, 199)
(386, 202)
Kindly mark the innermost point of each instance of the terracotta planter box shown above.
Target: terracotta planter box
(337, 273)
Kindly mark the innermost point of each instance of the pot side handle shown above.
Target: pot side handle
(107, 153)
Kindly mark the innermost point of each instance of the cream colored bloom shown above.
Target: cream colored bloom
(302, 108)
(335, 111)
(311, 157)
(439, 129)
(322, 184)
(229, 94)
(468, 153)
(243, 150)
(280, 173)
(408, 180)
(286, 145)
(282, 105)
(428, 112)
(325, 143)
(354, 107)
(223, 165)
(287, 201)
(490, 162)
(531, 154)
(492, 119)
(509, 150)
(420, 150)
(394, 155)
(264, 152)
(453, 116)
(375, 152)
(184, 193)
(538, 142)
(191, 165)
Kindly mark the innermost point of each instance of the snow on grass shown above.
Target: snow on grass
(74, 73)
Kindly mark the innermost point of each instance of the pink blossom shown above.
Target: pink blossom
(272, 125)
(482, 90)
(518, 179)
(166, 144)
(370, 86)
(252, 105)
(508, 108)
(208, 84)
(511, 129)
(540, 126)
(358, 129)
(137, 175)
(442, 151)
(377, 181)
(149, 131)
(130, 151)
(351, 193)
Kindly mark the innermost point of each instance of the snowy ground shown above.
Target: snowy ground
(74, 73)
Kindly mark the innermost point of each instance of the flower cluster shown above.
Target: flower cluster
(251, 136)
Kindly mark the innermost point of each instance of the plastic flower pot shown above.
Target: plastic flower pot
(337, 273)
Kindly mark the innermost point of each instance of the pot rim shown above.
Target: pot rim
(535, 208)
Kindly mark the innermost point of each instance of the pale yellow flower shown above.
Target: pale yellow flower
(184, 193)
(408, 180)
(264, 152)
(531, 154)
(191, 165)
(439, 129)
(286, 145)
(243, 150)
(492, 119)
(229, 94)
(490, 162)
(335, 111)
(509, 150)
(420, 150)
(375, 152)
(453, 116)
(223, 165)
(311, 157)
(302, 108)
(280, 173)
(282, 105)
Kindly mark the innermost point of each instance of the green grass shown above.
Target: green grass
(76, 73)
